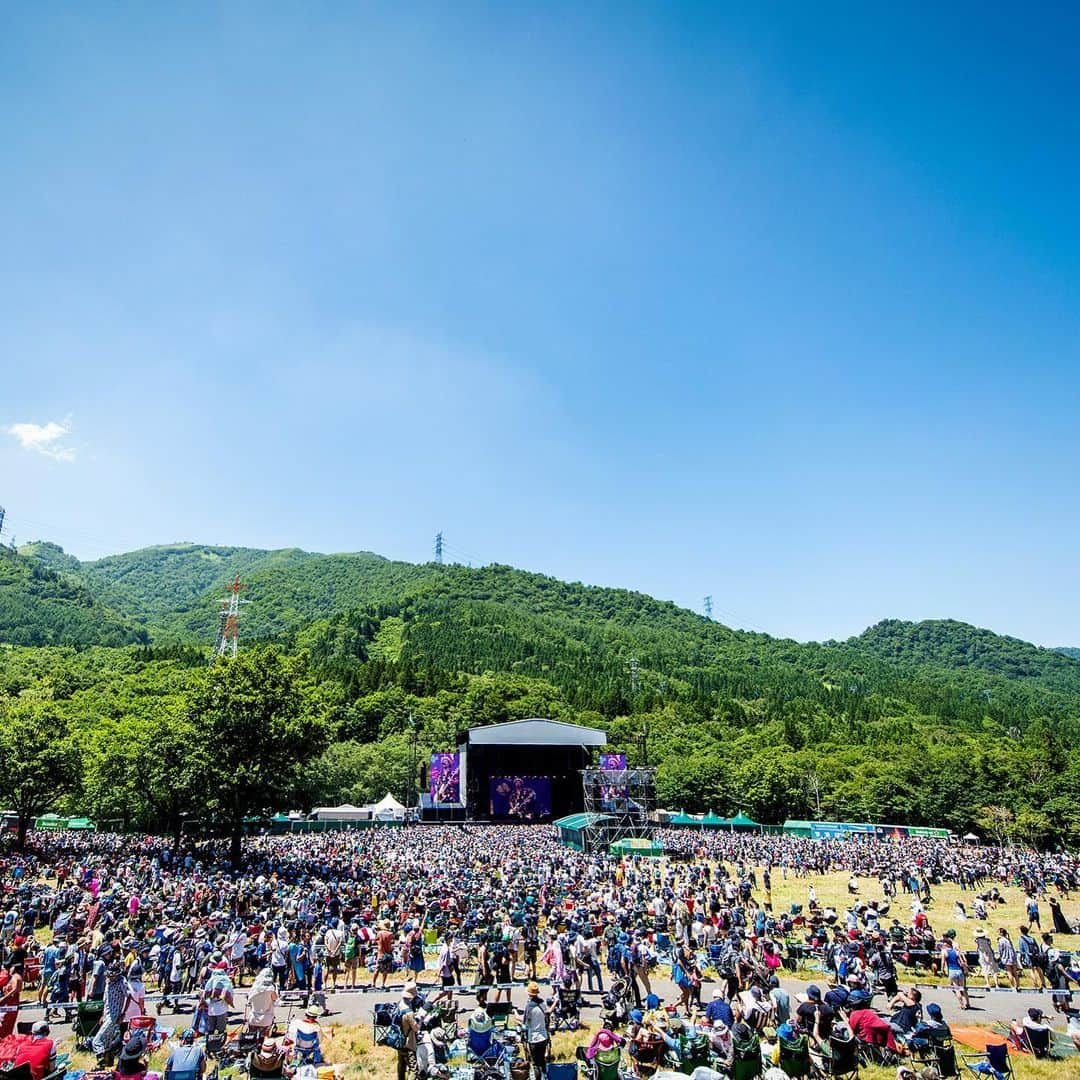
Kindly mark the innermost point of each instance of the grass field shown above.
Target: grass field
(832, 891)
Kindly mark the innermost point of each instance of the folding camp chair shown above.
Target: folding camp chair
(566, 1016)
(694, 1053)
(877, 1052)
(562, 1070)
(24, 1070)
(87, 1019)
(181, 1074)
(747, 1059)
(795, 1056)
(1037, 1042)
(255, 1073)
(385, 1028)
(500, 1013)
(939, 1054)
(605, 1064)
(994, 1062)
(843, 1057)
(647, 1057)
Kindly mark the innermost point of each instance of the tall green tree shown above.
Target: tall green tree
(256, 735)
(40, 759)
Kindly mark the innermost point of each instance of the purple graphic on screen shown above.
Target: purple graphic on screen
(614, 787)
(445, 785)
(521, 798)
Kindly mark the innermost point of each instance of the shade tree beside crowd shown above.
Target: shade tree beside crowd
(154, 739)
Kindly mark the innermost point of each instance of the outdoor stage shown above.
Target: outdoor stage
(524, 771)
(535, 771)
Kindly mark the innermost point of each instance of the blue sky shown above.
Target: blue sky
(777, 303)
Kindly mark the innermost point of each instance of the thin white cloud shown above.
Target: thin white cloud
(44, 439)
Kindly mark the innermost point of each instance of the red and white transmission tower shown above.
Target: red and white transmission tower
(228, 638)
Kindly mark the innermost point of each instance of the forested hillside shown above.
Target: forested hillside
(913, 723)
(957, 645)
(39, 606)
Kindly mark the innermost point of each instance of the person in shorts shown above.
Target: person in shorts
(955, 966)
(333, 944)
(384, 954)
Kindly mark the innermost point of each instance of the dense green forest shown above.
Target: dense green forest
(936, 723)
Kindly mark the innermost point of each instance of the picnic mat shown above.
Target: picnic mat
(975, 1037)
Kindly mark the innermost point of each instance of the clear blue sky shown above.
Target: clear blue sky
(777, 302)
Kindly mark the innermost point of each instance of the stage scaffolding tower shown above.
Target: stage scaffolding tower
(621, 803)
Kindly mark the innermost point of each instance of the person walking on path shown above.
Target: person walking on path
(956, 968)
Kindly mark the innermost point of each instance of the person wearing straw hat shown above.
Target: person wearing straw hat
(535, 1017)
(430, 1047)
(307, 1037)
(987, 959)
(267, 1061)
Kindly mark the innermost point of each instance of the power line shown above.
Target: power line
(459, 554)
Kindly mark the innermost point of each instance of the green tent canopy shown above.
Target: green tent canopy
(683, 819)
(741, 820)
(82, 823)
(572, 828)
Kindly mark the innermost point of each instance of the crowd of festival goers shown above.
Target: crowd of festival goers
(136, 924)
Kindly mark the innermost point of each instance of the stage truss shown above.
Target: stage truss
(621, 803)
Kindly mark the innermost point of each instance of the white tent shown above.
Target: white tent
(971, 838)
(387, 809)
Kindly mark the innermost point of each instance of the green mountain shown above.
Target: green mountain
(352, 608)
(1073, 654)
(951, 644)
(922, 723)
(41, 606)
